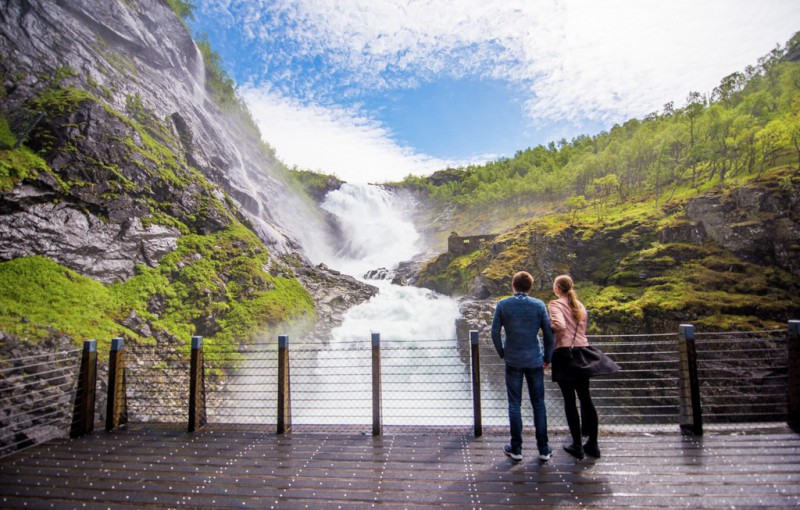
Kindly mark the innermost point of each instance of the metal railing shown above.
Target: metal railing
(36, 397)
(743, 376)
(426, 383)
(157, 385)
(431, 383)
(667, 380)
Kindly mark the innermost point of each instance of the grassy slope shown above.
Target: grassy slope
(630, 280)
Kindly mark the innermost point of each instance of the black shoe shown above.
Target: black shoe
(576, 450)
(510, 452)
(592, 450)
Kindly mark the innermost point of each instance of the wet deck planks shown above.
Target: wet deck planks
(164, 467)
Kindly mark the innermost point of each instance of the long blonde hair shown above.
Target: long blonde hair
(565, 285)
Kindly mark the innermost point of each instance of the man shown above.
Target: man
(522, 317)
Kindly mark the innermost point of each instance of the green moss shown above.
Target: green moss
(159, 218)
(62, 73)
(122, 64)
(719, 291)
(222, 278)
(39, 297)
(135, 108)
(219, 279)
(17, 165)
(7, 138)
(157, 159)
(60, 101)
(449, 274)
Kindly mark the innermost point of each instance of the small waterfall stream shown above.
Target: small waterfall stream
(197, 69)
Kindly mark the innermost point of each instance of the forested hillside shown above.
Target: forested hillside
(690, 214)
(749, 123)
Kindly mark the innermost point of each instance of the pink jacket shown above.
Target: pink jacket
(564, 324)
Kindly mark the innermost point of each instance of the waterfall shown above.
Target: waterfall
(197, 69)
(373, 231)
(421, 360)
(416, 326)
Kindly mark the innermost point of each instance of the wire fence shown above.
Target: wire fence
(157, 385)
(36, 397)
(426, 383)
(331, 384)
(241, 386)
(743, 376)
(429, 383)
(642, 396)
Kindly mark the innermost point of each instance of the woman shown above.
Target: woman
(568, 319)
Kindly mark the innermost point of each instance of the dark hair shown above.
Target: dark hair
(522, 281)
(565, 285)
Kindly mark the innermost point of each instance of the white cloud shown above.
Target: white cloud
(336, 141)
(601, 60)
(621, 59)
(582, 61)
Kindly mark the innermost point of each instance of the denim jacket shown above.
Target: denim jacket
(522, 317)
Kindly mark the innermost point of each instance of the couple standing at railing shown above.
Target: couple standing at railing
(565, 346)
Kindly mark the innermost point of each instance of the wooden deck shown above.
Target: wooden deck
(165, 467)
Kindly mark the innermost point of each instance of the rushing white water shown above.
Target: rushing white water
(397, 312)
(376, 234)
(416, 326)
(373, 230)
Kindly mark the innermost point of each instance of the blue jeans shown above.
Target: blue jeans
(535, 379)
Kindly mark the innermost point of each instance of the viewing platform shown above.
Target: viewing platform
(160, 466)
(693, 419)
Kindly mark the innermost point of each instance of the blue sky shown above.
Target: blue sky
(373, 90)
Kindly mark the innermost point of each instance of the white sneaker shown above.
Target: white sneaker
(515, 456)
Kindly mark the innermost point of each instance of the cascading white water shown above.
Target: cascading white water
(198, 71)
(373, 231)
(375, 234)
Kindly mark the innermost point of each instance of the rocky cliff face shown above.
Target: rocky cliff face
(724, 259)
(135, 58)
(760, 224)
(113, 152)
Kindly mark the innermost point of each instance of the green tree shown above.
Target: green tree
(574, 204)
(183, 8)
(793, 128)
(604, 189)
(693, 109)
(769, 141)
(729, 88)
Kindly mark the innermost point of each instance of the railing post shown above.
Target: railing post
(284, 386)
(197, 386)
(691, 413)
(377, 421)
(116, 403)
(793, 383)
(476, 382)
(83, 412)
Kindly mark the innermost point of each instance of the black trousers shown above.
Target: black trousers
(579, 388)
